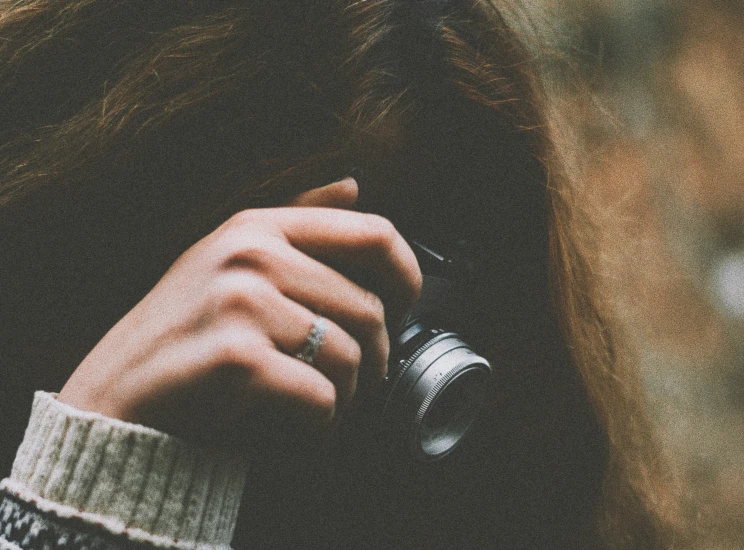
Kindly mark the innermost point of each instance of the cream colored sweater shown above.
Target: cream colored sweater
(129, 480)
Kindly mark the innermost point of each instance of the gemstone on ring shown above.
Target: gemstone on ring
(313, 341)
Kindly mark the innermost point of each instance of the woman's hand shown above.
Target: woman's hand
(214, 343)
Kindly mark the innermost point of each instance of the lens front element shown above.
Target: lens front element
(445, 418)
(436, 390)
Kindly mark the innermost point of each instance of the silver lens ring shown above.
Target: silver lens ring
(435, 396)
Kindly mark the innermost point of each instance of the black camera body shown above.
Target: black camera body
(436, 383)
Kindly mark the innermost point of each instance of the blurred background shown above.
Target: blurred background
(663, 165)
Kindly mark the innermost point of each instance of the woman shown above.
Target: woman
(159, 272)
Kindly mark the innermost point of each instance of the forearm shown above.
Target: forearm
(83, 475)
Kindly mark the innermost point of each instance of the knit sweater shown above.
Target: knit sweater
(82, 481)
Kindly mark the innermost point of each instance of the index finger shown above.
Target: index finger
(339, 194)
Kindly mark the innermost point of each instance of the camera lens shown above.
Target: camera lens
(435, 390)
(451, 413)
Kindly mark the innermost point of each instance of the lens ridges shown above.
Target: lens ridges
(423, 377)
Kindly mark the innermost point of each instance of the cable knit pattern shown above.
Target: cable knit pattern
(126, 478)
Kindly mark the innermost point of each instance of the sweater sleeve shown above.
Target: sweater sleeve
(80, 474)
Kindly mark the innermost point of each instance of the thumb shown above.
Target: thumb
(340, 194)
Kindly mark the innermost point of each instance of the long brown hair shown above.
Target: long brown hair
(147, 123)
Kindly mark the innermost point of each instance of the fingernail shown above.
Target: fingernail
(348, 180)
(356, 172)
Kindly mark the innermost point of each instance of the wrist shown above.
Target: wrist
(132, 480)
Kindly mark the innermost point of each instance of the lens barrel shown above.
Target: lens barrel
(435, 388)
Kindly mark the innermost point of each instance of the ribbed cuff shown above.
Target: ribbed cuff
(129, 479)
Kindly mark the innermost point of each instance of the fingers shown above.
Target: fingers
(342, 238)
(296, 384)
(262, 374)
(325, 291)
(240, 381)
(340, 194)
(274, 278)
(248, 305)
(215, 341)
(362, 241)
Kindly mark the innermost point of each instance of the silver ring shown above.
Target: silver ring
(313, 341)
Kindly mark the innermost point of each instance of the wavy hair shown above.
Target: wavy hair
(131, 128)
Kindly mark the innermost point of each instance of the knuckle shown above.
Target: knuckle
(235, 226)
(247, 240)
(381, 231)
(372, 310)
(233, 347)
(241, 293)
(416, 284)
(230, 347)
(257, 256)
(242, 218)
(324, 399)
(354, 354)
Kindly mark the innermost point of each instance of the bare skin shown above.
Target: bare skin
(214, 341)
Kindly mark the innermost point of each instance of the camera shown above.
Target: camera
(436, 383)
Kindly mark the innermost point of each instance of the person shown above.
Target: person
(178, 219)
